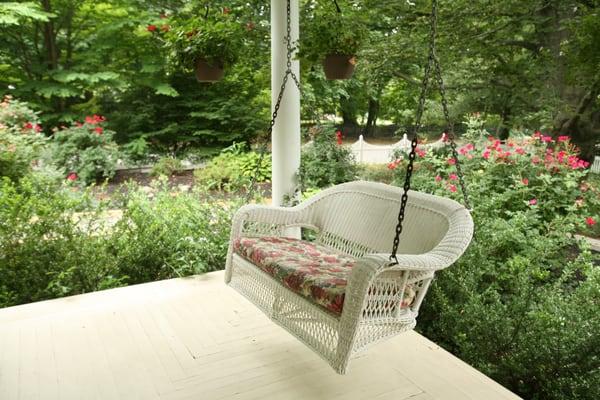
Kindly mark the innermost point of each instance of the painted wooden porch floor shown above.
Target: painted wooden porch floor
(196, 338)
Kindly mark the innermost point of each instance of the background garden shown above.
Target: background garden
(92, 90)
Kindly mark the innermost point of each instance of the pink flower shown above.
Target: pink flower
(563, 138)
(537, 134)
(520, 150)
(438, 178)
(590, 221)
(486, 154)
(525, 181)
(151, 28)
(37, 128)
(547, 139)
(452, 188)
(72, 176)
(451, 161)
(532, 202)
(99, 130)
(535, 160)
(453, 177)
(420, 152)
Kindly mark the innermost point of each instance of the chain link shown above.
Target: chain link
(415, 140)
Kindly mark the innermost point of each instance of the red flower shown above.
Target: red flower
(520, 150)
(532, 202)
(537, 134)
(438, 178)
(37, 128)
(486, 154)
(94, 119)
(151, 28)
(452, 188)
(99, 130)
(590, 221)
(451, 161)
(563, 138)
(420, 152)
(338, 136)
(453, 177)
(525, 181)
(547, 139)
(72, 176)
(28, 125)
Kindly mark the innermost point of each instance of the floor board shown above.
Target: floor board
(196, 338)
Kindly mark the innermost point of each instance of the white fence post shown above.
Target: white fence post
(595, 169)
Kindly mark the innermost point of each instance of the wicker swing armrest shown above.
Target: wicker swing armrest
(260, 219)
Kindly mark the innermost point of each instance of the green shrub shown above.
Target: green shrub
(21, 139)
(170, 235)
(45, 252)
(325, 163)
(167, 166)
(56, 242)
(85, 151)
(521, 305)
(376, 173)
(233, 169)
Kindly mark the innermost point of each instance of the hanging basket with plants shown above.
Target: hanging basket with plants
(333, 39)
(208, 45)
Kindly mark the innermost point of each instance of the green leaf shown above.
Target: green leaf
(165, 89)
(11, 13)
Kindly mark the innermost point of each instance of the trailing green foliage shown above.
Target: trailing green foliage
(328, 32)
(215, 38)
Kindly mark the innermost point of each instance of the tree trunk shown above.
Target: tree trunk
(350, 123)
(371, 117)
(50, 39)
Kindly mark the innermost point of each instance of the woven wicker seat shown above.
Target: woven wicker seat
(355, 222)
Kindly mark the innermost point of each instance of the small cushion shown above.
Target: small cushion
(313, 271)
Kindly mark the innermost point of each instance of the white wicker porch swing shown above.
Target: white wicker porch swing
(345, 291)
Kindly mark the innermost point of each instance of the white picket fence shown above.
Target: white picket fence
(595, 168)
(368, 153)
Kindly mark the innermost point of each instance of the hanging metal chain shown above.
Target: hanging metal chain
(416, 128)
(288, 73)
(450, 131)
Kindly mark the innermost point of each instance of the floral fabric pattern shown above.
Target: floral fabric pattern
(313, 271)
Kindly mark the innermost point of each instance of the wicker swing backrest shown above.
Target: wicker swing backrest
(358, 218)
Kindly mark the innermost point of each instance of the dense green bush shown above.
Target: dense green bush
(21, 138)
(85, 151)
(325, 163)
(233, 169)
(55, 242)
(171, 235)
(166, 166)
(45, 250)
(522, 304)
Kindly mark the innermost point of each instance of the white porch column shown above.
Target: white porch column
(286, 132)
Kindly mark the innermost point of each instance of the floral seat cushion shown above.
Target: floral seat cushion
(313, 271)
